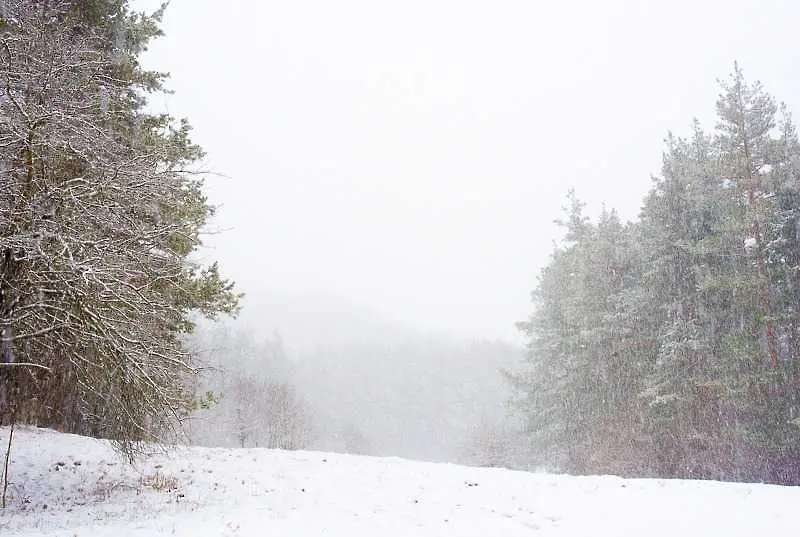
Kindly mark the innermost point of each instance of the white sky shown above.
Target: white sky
(411, 156)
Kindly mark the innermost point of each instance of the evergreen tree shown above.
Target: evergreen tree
(579, 388)
(100, 213)
(694, 276)
(689, 360)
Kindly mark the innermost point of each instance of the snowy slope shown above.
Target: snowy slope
(64, 485)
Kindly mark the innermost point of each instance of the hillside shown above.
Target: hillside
(68, 486)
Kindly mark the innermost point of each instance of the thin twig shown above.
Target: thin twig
(25, 364)
(5, 466)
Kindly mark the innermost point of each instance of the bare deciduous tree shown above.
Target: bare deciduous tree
(257, 413)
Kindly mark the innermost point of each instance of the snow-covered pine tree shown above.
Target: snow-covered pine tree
(703, 322)
(101, 209)
(580, 387)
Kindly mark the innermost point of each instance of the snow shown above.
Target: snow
(70, 486)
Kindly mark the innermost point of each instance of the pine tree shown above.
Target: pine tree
(682, 229)
(580, 383)
(690, 361)
(778, 430)
(100, 212)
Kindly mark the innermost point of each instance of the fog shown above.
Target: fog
(388, 173)
(362, 384)
(412, 156)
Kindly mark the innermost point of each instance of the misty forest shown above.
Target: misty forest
(666, 345)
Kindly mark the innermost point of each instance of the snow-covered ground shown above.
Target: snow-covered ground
(64, 485)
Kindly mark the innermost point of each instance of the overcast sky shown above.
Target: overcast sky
(411, 156)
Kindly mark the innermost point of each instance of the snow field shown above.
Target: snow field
(70, 486)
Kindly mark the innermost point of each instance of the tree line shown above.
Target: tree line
(670, 346)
